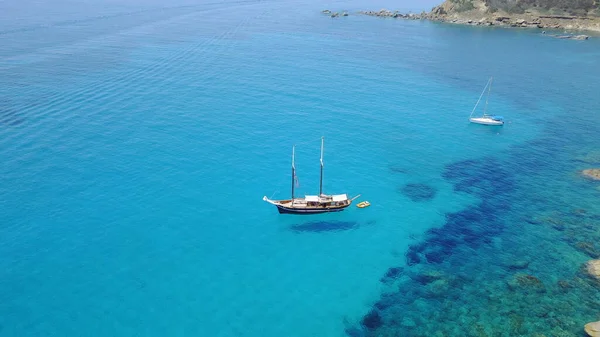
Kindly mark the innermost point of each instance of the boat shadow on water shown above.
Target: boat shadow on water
(327, 226)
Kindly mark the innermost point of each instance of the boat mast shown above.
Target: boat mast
(321, 179)
(293, 171)
(488, 97)
(479, 100)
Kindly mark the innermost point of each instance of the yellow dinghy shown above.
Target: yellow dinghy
(363, 204)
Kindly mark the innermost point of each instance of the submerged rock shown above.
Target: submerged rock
(592, 173)
(478, 329)
(412, 256)
(564, 285)
(526, 282)
(392, 274)
(593, 329)
(593, 268)
(579, 212)
(571, 37)
(592, 157)
(588, 248)
(518, 264)
(408, 322)
(387, 301)
(553, 220)
(372, 320)
(437, 256)
(418, 192)
(559, 332)
(438, 288)
(516, 324)
(427, 276)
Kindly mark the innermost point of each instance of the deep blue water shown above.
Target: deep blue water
(137, 141)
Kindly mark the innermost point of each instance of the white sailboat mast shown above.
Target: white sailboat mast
(488, 97)
(480, 97)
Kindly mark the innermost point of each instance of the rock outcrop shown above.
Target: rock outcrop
(384, 13)
(593, 329)
(525, 282)
(477, 12)
(593, 268)
(572, 37)
(334, 14)
(592, 173)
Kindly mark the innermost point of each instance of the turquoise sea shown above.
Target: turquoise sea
(137, 142)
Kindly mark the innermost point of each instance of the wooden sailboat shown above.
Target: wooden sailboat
(311, 204)
(486, 119)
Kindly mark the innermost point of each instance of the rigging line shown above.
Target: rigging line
(483, 92)
(487, 97)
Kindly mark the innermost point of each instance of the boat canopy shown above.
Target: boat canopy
(311, 198)
(339, 197)
(326, 198)
(498, 118)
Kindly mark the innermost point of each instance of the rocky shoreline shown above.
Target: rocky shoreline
(481, 14)
(440, 14)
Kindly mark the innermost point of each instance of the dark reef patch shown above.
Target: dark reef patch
(463, 231)
(413, 256)
(418, 192)
(468, 228)
(372, 320)
(483, 178)
(392, 274)
(510, 265)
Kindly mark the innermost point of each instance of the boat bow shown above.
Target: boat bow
(272, 202)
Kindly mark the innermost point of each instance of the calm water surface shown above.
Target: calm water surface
(138, 140)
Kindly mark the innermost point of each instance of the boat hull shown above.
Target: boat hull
(309, 210)
(486, 121)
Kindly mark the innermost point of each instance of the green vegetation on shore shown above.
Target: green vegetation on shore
(556, 7)
(463, 5)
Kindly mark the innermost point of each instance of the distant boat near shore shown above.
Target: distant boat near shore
(486, 119)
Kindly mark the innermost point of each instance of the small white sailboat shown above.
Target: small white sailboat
(486, 119)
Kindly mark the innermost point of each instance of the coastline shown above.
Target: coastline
(573, 27)
(543, 257)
